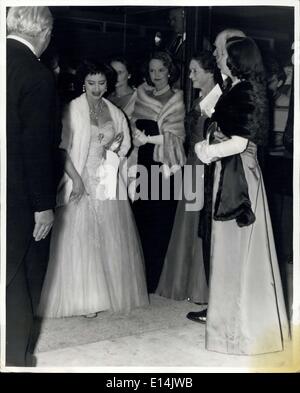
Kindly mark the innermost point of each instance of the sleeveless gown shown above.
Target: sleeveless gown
(96, 261)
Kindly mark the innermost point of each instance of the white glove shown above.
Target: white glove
(209, 153)
(201, 152)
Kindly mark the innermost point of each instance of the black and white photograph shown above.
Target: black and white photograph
(150, 188)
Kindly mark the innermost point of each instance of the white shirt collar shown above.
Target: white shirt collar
(23, 41)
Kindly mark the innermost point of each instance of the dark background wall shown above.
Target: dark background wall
(102, 31)
(272, 26)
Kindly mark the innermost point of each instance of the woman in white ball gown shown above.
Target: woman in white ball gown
(96, 261)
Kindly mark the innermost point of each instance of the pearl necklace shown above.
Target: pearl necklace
(161, 92)
(96, 111)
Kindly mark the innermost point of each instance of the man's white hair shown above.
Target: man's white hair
(224, 35)
(28, 21)
(229, 33)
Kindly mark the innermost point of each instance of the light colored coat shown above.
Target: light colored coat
(76, 135)
(169, 118)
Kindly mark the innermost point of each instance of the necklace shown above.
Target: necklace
(96, 111)
(162, 91)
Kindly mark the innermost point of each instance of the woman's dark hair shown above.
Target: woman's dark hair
(244, 59)
(90, 67)
(207, 61)
(129, 67)
(245, 62)
(121, 59)
(167, 61)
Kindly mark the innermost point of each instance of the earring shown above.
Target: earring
(83, 88)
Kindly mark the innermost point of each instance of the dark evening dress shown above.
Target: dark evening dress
(154, 218)
(183, 275)
(154, 213)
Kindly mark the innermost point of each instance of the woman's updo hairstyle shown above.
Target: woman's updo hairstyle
(91, 67)
(131, 69)
(167, 61)
(207, 61)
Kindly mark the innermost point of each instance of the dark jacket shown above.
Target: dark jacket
(32, 140)
(242, 111)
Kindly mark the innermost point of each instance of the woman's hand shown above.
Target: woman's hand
(139, 138)
(43, 224)
(78, 189)
(202, 150)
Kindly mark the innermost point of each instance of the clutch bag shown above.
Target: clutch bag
(149, 126)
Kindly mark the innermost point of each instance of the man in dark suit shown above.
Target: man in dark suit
(176, 21)
(31, 145)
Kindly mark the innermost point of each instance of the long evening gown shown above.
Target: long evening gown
(183, 275)
(96, 261)
(246, 313)
(154, 218)
(246, 309)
